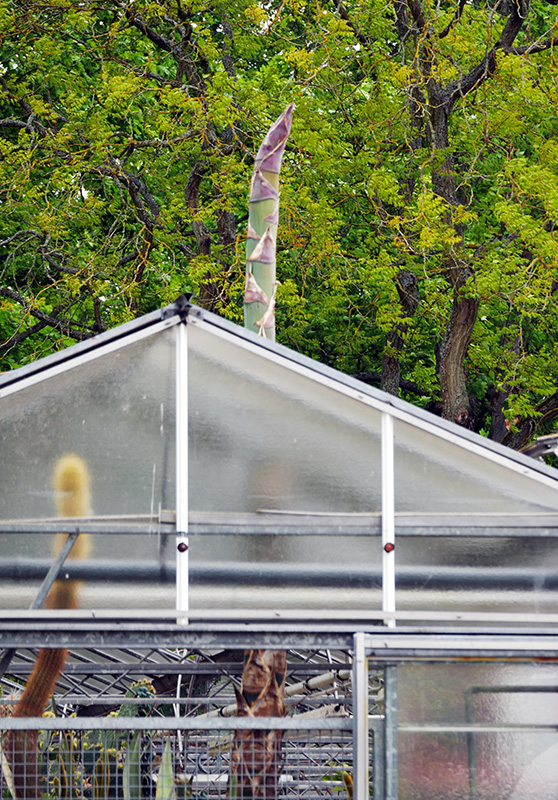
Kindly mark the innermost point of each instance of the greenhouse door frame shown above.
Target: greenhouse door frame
(389, 649)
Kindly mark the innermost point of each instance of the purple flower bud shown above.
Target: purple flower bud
(273, 146)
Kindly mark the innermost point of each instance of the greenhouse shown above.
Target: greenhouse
(394, 576)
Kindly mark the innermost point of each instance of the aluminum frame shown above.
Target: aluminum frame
(388, 523)
(377, 650)
(379, 400)
(182, 542)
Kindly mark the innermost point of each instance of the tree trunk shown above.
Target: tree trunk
(456, 402)
(440, 102)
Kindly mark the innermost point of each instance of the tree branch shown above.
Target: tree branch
(16, 338)
(13, 123)
(454, 20)
(61, 325)
(458, 89)
(226, 57)
(487, 66)
(528, 427)
(191, 195)
(417, 12)
(32, 235)
(535, 47)
(376, 378)
(138, 22)
(342, 11)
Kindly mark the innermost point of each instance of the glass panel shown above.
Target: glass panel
(484, 730)
(264, 437)
(464, 573)
(139, 575)
(433, 475)
(270, 571)
(117, 412)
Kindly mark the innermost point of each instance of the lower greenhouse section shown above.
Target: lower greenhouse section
(389, 713)
(174, 761)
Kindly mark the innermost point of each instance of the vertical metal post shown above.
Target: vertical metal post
(471, 744)
(390, 694)
(182, 604)
(388, 517)
(378, 757)
(360, 714)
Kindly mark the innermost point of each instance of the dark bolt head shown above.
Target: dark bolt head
(182, 547)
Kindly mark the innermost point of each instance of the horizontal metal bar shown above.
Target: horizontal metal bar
(175, 723)
(518, 689)
(302, 640)
(476, 519)
(487, 727)
(170, 700)
(461, 645)
(284, 619)
(239, 573)
(31, 569)
(188, 668)
(522, 644)
(296, 523)
(164, 522)
(118, 634)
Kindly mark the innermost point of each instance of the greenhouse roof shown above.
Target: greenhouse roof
(278, 472)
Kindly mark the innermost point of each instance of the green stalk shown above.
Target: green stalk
(259, 296)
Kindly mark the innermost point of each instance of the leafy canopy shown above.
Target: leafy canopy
(127, 134)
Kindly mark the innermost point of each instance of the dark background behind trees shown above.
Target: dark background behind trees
(417, 245)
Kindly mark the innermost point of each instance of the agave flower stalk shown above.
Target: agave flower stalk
(256, 758)
(259, 296)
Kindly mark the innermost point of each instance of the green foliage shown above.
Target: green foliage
(110, 112)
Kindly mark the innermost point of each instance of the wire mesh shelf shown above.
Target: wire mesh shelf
(156, 723)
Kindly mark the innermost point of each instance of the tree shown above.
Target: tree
(417, 245)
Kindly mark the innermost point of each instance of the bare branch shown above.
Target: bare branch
(16, 338)
(64, 326)
(458, 89)
(13, 123)
(138, 22)
(32, 234)
(342, 11)
(376, 378)
(453, 22)
(135, 186)
(487, 66)
(534, 47)
(57, 265)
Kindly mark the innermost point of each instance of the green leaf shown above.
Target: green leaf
(131, 773)
(165, 780)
